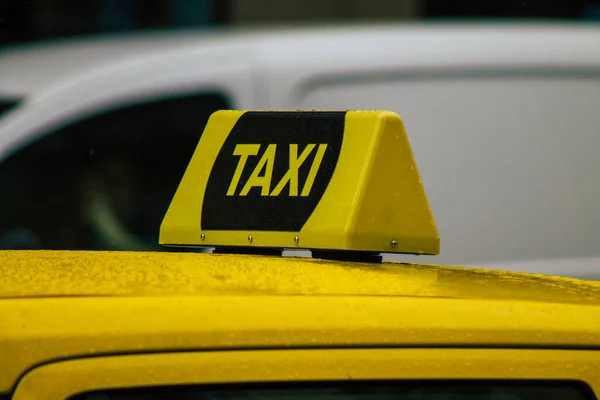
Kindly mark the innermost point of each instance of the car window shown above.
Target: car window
(7, 104)
(104, 181)
(424, 390)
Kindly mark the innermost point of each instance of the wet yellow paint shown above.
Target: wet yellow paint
(72, 273)
(60, 305)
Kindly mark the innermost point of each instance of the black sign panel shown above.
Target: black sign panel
(272, 170)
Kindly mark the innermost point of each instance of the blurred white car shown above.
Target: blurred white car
(96, 133)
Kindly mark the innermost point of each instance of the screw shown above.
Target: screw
(393, 243)
(296, 239)
(202, 236)
(250, 238)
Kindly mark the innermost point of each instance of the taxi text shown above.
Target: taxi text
(267, 161)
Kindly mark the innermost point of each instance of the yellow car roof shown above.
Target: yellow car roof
(98, 273)
(58, 305)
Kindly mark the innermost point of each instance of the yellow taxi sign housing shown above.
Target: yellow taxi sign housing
(332, 180)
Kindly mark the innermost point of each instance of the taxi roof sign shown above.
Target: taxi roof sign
(331, 180)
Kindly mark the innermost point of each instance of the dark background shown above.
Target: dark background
(30, 20)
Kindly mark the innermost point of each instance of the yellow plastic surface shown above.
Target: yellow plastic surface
(374, 198)
(58, 305)
(60, 380)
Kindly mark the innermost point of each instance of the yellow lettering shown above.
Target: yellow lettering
(267, 160)
(291, 175)
(312, 174)
(244, 151)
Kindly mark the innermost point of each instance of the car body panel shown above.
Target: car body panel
(52, 64)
